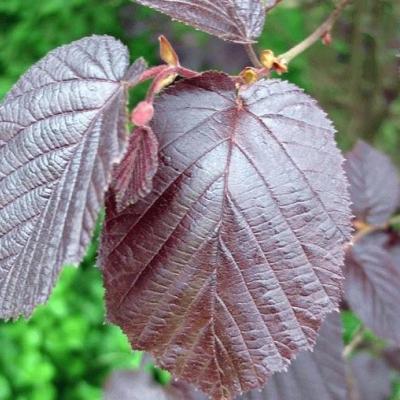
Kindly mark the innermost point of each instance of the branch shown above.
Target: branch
(252, 55)
(323, 29)
(355, 342)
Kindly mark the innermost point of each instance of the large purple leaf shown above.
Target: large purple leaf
(369, 379)
(225, 271)
(374, 184)
(235, 20)
(317, 375)
(62, 127)
(133, 177)
(372, 283)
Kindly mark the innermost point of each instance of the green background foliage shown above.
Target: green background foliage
(65, 351)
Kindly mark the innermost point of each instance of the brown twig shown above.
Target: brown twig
(252, 55)
(355, 342)
(322, 30)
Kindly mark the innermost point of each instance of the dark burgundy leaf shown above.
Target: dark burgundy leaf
(317, 375)
(372, 284)
(235, 20)
(133, 177)
(62, 127)
(370, 378)
(225, 271)
(374, 184)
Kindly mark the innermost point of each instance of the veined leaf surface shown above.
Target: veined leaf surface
(62, 127)
(239, 21)
(227, 269)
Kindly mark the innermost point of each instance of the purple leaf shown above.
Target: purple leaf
(133, 177)
(238, 21)
(180, 390)
(62, 127)
(372, 283)
(370, 378)
(374, 184)
(317, 375)
(226, 270)
(130, 385)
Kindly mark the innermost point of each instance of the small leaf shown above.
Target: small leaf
(372, 283)
(167, 52)
(370, 378)
(62, 127)
(234, 20)
(226, 269)
(133, 177)
(374, 184)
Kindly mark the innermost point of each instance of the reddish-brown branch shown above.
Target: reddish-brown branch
(252, 55)
(322, 30)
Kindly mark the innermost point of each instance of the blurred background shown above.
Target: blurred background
(66, 351)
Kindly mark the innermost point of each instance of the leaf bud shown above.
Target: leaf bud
(327, 39)
(267, 58)
(249, 75)
(142, 114)
(167, 52)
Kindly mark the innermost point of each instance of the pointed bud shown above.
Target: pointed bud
(249, 75)
(327, 39)
(142, 114)
(167, 52)
(267, 58)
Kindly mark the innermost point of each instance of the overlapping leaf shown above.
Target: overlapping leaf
(225, 271)
(370, 378)
(372, 283)
(374, 184)
(235, 20)
(62, 127)
(319, 375)
(133, 177)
